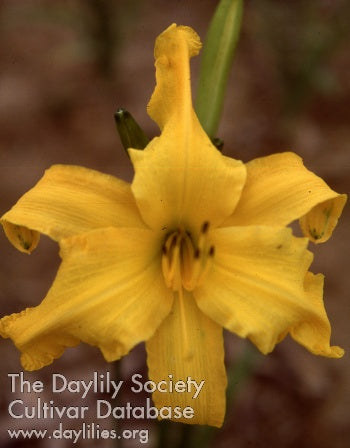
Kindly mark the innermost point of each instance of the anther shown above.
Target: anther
(185, 263)
(205, 227)
(173, 243)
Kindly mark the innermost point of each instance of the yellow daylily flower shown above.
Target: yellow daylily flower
(196, 243)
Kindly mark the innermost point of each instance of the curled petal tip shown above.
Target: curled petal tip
(23, 238)
(320, 222)
(173, 50)
(170, 39)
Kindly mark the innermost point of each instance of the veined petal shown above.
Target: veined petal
(109, 292)
(320, 222)
(189, 346)
(181, 179)
(183, 188)
(172, 95)
(315, 331)
(67, 201)
(279, 189)
(255, 287)
(24, 239)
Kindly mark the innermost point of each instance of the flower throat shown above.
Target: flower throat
(185, 264)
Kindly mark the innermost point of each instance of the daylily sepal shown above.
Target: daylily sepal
(279, 190)
(69, 200)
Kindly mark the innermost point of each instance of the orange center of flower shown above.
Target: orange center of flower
(184, 264)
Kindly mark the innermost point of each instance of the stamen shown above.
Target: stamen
(185, 263)
(175, 268)
(205, 227)
(173, 242)
(203, 272)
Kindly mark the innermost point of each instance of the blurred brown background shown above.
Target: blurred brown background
(66, 66)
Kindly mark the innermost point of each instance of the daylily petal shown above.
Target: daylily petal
(279, 189)
(189, 346)
(255, 287)
(315, 332)
(108, 292)
(67, 201)
(181, 179)
(172, 94)
(320, 222)
(24, 239)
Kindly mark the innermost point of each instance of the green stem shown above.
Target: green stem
(237, 374)
(174, 435)
(116, 372)
(241, 371)
(186, 436)
(218, 52)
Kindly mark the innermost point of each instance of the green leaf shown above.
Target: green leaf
(218, 52)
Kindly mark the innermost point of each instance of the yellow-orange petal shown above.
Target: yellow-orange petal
(24, 239)
(279, 189)
(314, 332)
(181, 179)
(188, 347)
(109, 292)
(255, 287)
(173, 49)
(67, 201)
(320, 222)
